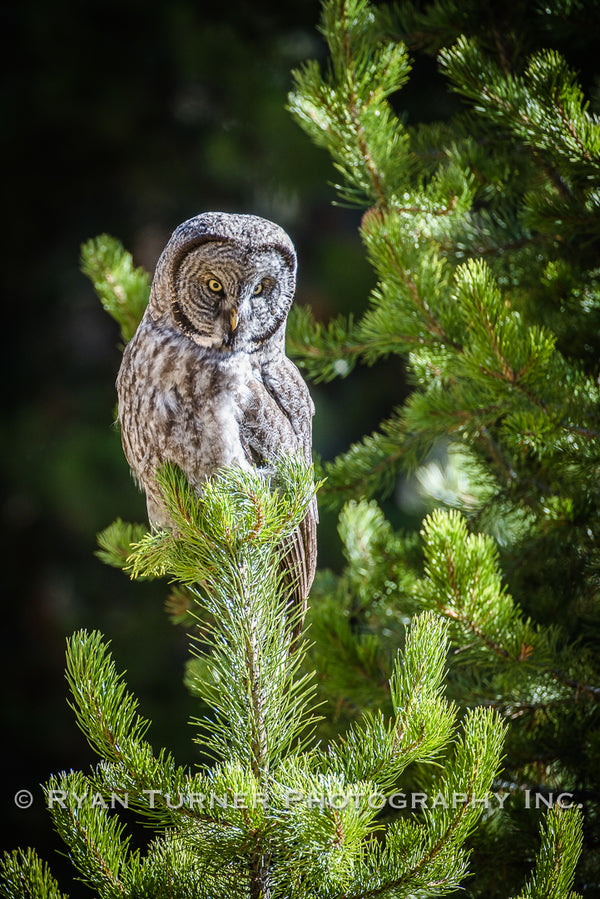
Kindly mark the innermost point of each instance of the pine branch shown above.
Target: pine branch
(24, 875)
(463, 583)
(441, 864)
(106, 713)
(423, 722)
(544, 106)
(411, 305)
(261, 717)
(227, 541)
(343, 113)
(123, 289)
(95, 839)
(561, 844)
(323, 352)
(116, 542)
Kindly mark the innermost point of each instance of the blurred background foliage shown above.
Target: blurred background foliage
(128, 118)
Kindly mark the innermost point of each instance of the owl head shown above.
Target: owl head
(226, 281)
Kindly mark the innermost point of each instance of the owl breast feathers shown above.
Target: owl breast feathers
(205, 381)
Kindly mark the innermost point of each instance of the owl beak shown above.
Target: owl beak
(233, 319)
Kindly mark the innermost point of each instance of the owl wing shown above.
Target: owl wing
(282, 422)
(285, 384)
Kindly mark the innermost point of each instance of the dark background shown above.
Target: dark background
(128, 118)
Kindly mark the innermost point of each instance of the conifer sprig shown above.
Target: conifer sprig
(116, 541)
(24, 875)
(107, 714)
(323, 352)
(122, 288)
(98, 847)
(228, 543)
(425, 858)
(544, 106)
(560, 847)
(343, 113)
(423, 721)
(463, 582)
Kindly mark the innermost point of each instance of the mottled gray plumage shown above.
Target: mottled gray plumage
(205, 381)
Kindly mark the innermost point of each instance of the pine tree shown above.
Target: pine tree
(483, 233)
(271, 813)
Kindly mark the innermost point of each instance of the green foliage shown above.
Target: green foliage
(23, 875)
(482, 373)
(123, 289)
(463, 583)
(259, 520)
(98, 849)
(533, 106)
(344, 114)
(273, 814)
(562, 839)
(230, 543)
(482, 232)
(116, 540)
(332, 347)
(423, 723)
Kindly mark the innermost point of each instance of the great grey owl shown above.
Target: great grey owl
(205, 381)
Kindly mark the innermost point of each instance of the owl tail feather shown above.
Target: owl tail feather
(299, 563)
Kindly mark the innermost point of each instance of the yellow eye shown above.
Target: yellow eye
(258, 289)
(215, 285)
